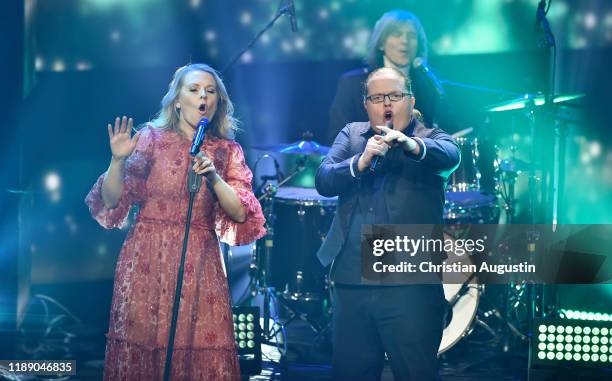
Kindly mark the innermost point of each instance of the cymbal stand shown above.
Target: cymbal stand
(509, 178)
(260, 264)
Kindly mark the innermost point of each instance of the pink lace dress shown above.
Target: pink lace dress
(145, 279)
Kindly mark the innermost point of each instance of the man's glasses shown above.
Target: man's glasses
(393, 97)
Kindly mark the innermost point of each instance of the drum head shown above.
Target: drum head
(302, 196)
(464, 312)
(462, 292)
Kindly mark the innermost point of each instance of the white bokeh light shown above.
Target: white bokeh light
(59, 65)
(115, 36)
(39, 63)
(52, 182)
(247, 57)
(210, 35)
(246, 18)
(590, 20)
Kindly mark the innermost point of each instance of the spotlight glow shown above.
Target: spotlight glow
(52, 182)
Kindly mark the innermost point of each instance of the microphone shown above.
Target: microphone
(198, 139)
(288, 7)
(541, 24)
(540, 14)
(194, 181)
(377, 159)
(421, 65)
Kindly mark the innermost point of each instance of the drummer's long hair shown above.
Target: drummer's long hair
(387, 25)
(223, 123)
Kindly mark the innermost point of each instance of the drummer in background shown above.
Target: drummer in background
(407, 187)
(397, 40)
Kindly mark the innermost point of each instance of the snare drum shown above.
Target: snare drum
(471, 207)
(302, 218)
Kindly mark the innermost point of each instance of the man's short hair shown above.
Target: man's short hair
(381, 71)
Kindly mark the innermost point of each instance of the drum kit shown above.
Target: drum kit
(284, 269)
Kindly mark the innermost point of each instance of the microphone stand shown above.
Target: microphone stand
(284, 9)
(547, 41)
(194, 183)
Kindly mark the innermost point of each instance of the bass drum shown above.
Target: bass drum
(302, 219)
(462, 292)
(462, 314)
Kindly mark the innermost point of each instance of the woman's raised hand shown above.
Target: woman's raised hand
(121, 140)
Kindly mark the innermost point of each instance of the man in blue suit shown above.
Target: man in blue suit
(405, 187)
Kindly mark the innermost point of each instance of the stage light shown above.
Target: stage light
(574, 343)
(286, 46)
(115, 36)
(590, 20)
(52, 182)
(210, 35)
(83, 65)
(39, 63)
(247, 334)
(586, 316)
(58, 65)
(247, 57)
(608, 20)
(300, 43)
(595, 148)
(246, 18)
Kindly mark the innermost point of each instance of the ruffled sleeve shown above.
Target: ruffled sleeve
(239, 177)
(136, 171)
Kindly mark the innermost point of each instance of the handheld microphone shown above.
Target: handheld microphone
(198, 138)
(421, 65)
(376, 160)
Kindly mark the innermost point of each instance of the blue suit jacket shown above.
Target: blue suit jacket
(414, 187)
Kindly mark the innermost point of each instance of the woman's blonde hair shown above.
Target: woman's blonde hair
(223, 123)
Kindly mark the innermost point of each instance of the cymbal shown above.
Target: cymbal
(300, 147)
(523, 101)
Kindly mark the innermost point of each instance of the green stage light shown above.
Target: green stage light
(247, 333)
(582, 341)
(585, 315)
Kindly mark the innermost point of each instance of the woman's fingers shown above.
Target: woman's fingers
(117, 126)
(203, 166)
(123, 124)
